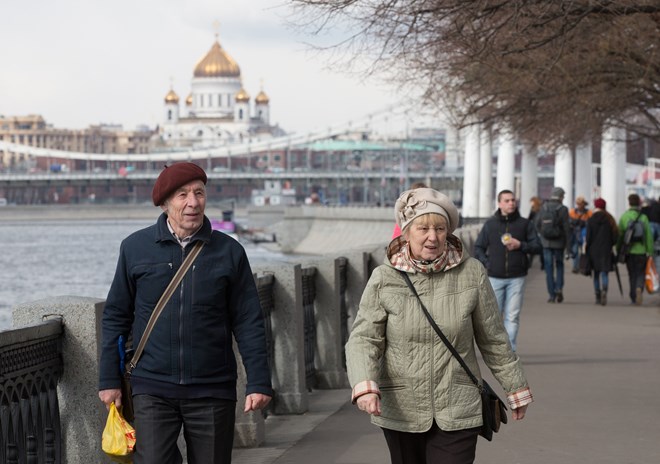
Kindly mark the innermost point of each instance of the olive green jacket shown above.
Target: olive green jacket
(393, 344)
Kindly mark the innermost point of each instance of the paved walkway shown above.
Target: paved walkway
(594, 372)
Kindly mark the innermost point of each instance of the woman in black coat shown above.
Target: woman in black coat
(602, 234)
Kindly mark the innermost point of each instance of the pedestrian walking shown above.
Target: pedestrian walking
(187, 374)
(652, 211)
(554, 230)
(602, 235)
(534, 208)
(503, 246)
(402, 374)
(634, 245)
(578, 217)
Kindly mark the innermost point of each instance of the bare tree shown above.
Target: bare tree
(555, 71)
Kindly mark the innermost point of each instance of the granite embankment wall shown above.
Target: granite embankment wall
(300, 230)
(322, 230)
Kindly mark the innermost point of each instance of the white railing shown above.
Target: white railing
(240, 149)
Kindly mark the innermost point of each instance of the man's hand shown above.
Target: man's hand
(112, 395)
(513, 244)
(256, 401)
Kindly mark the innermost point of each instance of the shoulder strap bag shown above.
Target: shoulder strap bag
(131, 361)
(627, 239)
(493, 408)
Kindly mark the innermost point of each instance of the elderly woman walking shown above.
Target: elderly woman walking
(401, 372)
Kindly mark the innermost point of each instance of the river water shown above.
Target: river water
(42, 259)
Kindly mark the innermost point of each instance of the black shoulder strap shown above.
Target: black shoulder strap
(439, 332)
(164, 298)
(632, 224)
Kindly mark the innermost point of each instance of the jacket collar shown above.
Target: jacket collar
(511, 217)
(163, 232)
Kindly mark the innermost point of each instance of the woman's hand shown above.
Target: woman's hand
(519, 413)
(369, 403)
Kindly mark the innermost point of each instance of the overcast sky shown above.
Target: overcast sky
(82, 62)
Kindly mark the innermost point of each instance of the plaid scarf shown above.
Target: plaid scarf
(400, 258)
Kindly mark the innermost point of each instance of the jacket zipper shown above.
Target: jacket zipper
(181, 367)
(433, 354)
(506, 252)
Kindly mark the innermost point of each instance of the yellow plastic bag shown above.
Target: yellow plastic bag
(118, 438)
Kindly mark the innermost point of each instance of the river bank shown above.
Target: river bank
(94, 212)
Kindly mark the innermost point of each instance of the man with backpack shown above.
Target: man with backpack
(553, 226)
(634, 245)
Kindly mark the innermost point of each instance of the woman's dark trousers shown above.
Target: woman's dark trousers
(433, 446)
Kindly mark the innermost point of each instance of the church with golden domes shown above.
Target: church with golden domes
(218, 110)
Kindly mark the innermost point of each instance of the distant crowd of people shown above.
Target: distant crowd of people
(594, 241)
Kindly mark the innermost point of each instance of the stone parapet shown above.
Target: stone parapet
(82, 415)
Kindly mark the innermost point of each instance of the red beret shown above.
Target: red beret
(599, 203)
(173, 177)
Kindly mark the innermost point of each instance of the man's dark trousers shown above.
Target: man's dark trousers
(208, 427)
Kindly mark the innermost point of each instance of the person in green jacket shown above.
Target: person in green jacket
(639, 248)
(401, 373)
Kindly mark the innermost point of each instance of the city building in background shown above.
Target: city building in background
(32, 130)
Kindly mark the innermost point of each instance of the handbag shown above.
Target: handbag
(493, 410)
(132, 358)
(584, 265)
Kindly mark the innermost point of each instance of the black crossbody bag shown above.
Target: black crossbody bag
(493, 409)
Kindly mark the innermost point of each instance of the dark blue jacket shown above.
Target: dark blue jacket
(191, 343)
(500, 262)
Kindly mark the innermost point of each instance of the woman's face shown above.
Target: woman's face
(426, 236)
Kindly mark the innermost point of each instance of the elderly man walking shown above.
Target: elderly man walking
(554, 228)
(503, 246)
(187, 374)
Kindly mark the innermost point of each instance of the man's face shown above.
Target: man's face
(185, 208)
(507, 203)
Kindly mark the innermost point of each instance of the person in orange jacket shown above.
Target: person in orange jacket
(578, 218)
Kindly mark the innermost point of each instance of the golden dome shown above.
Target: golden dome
(242, 96)
(171, 97)
(189, 100)
(262, 98)
(217, 63)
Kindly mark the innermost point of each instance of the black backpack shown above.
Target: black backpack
(549, 223)
(634, 232)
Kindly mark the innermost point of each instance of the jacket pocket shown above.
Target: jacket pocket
(210, 342)
(465, 399)
(151, 280)
(397, 400)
